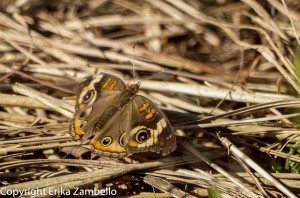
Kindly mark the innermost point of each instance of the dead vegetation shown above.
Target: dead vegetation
(230, 90)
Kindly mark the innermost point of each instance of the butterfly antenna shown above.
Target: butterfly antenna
(163, 71)
(132, 61)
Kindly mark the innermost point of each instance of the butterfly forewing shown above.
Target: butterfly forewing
(149, 129)
(94, 96)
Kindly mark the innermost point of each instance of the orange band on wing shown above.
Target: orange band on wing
(144, 107)
(132, 143)
(81, 106)
(77, 129)
(113, 84)
(105, 84)
(151, 114)
(113, 149)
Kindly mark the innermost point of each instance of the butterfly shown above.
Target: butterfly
(116, 121)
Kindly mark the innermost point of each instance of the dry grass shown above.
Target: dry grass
(230, 90)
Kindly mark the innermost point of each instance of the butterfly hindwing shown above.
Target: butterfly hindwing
(109, 140)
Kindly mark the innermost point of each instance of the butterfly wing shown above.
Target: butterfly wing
(140, 126)
(148, 129)
(94, 96)
(109, 141)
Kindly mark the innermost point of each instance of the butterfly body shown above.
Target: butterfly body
(118, 121)
(122, 100)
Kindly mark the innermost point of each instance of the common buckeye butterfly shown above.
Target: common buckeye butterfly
(118, 122)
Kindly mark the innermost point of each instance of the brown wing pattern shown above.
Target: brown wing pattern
(94, 96)
(149, 129)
